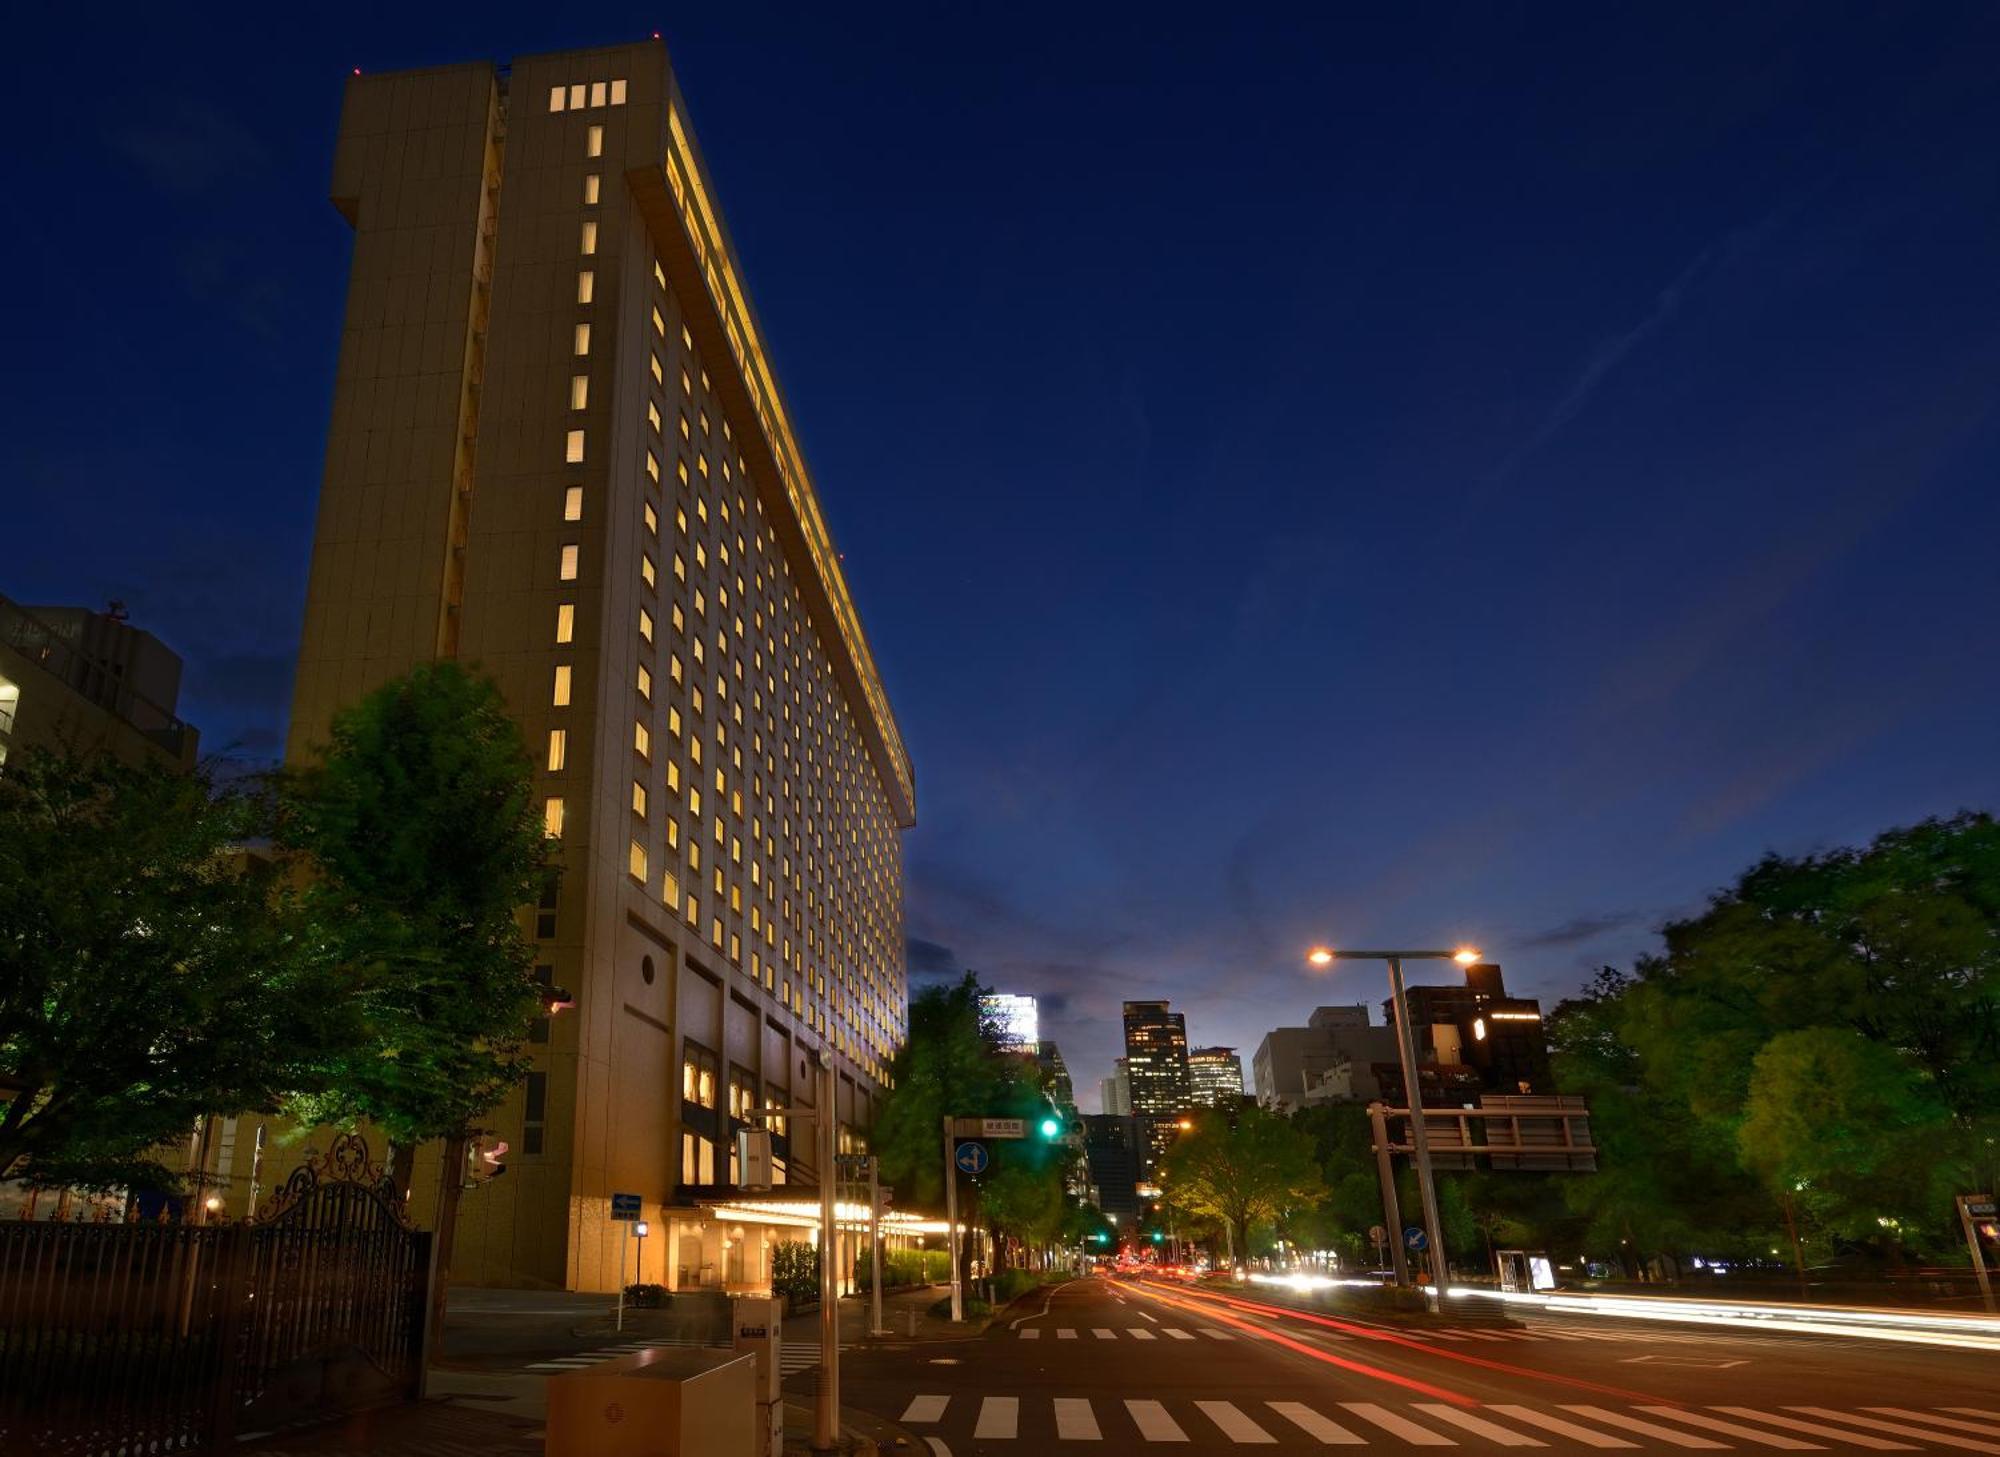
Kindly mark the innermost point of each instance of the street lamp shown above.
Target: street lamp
(1406, 1049)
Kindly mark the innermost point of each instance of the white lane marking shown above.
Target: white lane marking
(1104, 1335)
(1235, 1426)
(1479, 1336)
(1479, 1426)
(1065, 1334)
(1215, 1335)
(1178, 1334)
(1901, 1429)
(1150, 1316)
(1075, 1421)
(999, 1417)
(1397, 1426)
(1444, 1336)
(1314, 1425)
(1560, 1427)
(1032, 1333)
(1140, 1333)
(1978, 1429)
(1817, 1429)
(1153, 1422)
(925, 1409)
(1645, 1428)
(938, 1448)
(1731, 1429)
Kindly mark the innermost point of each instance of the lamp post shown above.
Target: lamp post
(1406, 1049)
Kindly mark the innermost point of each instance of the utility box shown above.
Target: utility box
(753, 1160)
(756, 1329)
(662, 1402)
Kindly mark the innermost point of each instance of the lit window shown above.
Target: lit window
(573, 447)
(561, 695)
(636, 862)
(569, 556)
(573, 504)
(576, 98)
(656, 370)
(652, 467)
(579, 391)
(652, 520)
(589, 241)
(642, 740)
(590, 183)
(582, 340)
(659, 324)
(646, 570)
(565, 622)
(597, 93)
(618, 92)
(558, 749)
(552, 817)
(645, 683)
(586, 286)
(556, 94)
(593, 142)
(653, 416)
(645, 624)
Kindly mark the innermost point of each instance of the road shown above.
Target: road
(1114, 1367)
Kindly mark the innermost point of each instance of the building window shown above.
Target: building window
(579, 392)
(582, 340)
(593, 142)
(586, 288)
(573, 503)
(645, 683)
(556, 94)
(635, 861)
(642, 740)
(618, 92)
(576, 98)
(573, 448)
(552, 817)
(561, 695)
(590, 183)
(588, 243)
(565, 622)
(569, 560)
(534, 1112)
(639, 798)
(558, 749)
(597, 93)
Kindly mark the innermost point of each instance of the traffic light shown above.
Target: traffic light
(1052, 1127)
(1158, 1237)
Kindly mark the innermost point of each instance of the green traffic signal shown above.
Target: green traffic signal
(1051, 1127)
(1157, 1236)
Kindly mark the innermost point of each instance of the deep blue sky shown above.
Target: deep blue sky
(1365, 473)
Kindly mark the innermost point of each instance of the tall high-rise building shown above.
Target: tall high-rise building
(1215, 1076)
(558, 452)
(1114, 1093)
(1156, 1061)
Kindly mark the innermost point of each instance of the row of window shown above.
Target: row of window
(587, 94)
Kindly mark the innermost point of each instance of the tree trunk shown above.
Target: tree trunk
(451, 1185)
(1798, 1249)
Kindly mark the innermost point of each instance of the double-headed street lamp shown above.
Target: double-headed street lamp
(1406, 1048)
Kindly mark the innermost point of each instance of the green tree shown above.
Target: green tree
(1245, 1173)
(151, 971)
(424, 845)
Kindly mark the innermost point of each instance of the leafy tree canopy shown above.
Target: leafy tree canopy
(1250, 1171)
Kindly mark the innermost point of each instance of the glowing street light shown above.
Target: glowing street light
(1406, 1048)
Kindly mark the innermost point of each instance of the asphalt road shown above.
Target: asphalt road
(1114, 1367)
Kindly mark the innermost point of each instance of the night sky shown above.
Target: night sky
(1372, 474)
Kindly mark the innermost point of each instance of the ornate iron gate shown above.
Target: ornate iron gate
(160, 1337)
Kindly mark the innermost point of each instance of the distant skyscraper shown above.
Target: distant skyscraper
(1115, 1092)
(1215, 1075)
(1015, 1017)
(1050, 1058)
(1156, 1060)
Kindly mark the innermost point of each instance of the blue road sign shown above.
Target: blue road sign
(972, 1158)
(625, 1206)
(1415, 1238)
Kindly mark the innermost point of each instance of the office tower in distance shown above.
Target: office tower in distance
(1215, 1077)
(558, 453)
(1114, 1093)
(1156, 1060)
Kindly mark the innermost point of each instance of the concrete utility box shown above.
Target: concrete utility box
(756, 1329)
(656, 1403)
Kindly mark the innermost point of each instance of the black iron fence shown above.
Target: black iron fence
(142, 1337)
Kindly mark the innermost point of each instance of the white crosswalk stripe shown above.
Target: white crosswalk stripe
(1104, 1335)
(1180, 1335)
(1003, 1418)
(1065, 1334)
(1030, 1333)
(1140, 1333)
(1213, 1334)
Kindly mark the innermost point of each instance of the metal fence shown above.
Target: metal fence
(138, 1337)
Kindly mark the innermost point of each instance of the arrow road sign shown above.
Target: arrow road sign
(971, 1158)
(1415, 1238)
(625, 1206)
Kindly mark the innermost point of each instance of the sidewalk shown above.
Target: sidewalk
(905, 1315)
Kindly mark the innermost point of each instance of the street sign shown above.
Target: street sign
(625, 1207)
(1415, 1238)
(990, 1127)
(1378, 1235)
(971, 1158)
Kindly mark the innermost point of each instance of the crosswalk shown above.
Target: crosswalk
(1571, 1426)
(1129, 1333)
(793, 1356)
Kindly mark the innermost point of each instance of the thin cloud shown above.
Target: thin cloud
(1579, 929)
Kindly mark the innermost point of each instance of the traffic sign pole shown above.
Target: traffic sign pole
(951, 1217)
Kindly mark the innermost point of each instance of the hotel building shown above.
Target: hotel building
(558, 454)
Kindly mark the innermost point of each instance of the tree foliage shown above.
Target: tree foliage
(424, 844)
(152, 970)
(1242, 1172)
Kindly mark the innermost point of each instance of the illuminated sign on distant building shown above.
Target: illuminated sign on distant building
(1014, 1016)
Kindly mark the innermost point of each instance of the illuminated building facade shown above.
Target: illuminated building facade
(1013, 1017)
(558, 452)
(1215, 1077)
(1478, 1039)
(1156, 1059)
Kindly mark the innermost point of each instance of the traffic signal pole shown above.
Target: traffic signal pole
(951, 1214)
